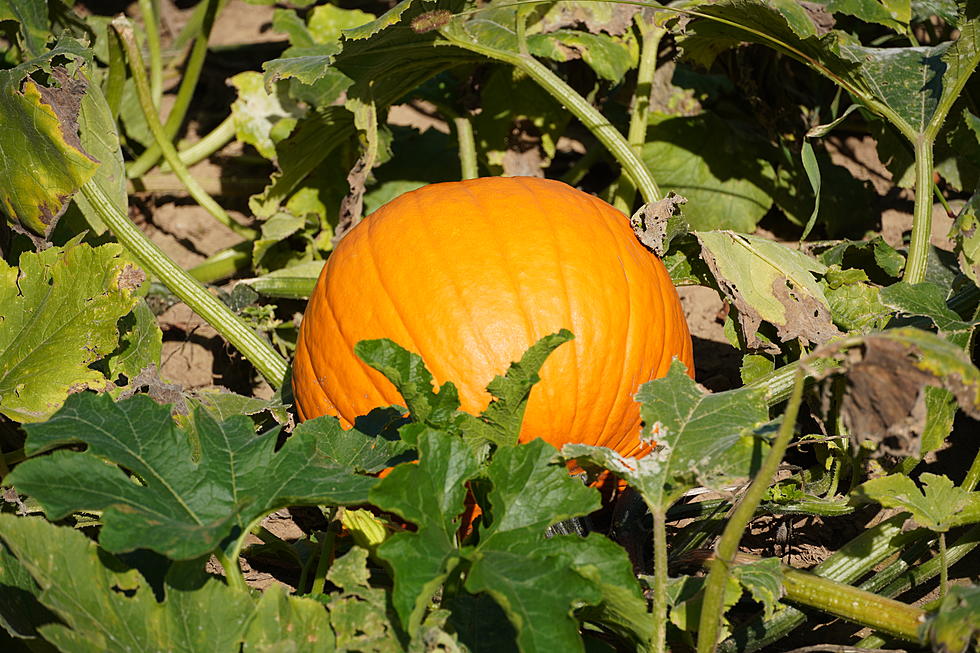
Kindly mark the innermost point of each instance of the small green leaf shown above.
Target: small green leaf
(928, 300)
(431, 496)
(104, 606)
(939, 506)
(407, 372)
(764, 580)
(257, 111)
(955, 625)
(501, 421)
(702, 438)
(188, 502)
(33, 33)
(59, 315)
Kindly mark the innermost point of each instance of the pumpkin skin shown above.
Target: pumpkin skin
(469, 275)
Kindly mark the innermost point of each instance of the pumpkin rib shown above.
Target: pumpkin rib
(365, 373)
(568, 303)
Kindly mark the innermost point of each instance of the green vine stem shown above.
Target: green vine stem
(192, 72)
(265, 359)
(659, 603)
(467, 147)
(588, 115)
(640, 111)
(326, 554)
(915, 270)
(125, 31)
(233, 573)
(712, 606)
(213, 141)
(149, 13)
(853, 604)
(115, 79)
(224, 264)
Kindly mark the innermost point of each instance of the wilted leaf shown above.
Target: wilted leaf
(769, 281)
(701, 438)
(938, 506)
(886, 374)
(43, 163)
(59, 315)
(257, 111)
(194, 495)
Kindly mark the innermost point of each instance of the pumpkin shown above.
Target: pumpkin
(469, 275)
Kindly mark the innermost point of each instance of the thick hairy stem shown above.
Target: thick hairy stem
(915, 269)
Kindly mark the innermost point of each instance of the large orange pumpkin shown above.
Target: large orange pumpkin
(469, 275)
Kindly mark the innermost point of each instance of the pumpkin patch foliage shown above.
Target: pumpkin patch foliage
(489, 326)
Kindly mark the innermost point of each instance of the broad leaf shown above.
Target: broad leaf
(193, 496)
(372, 445)
(938, 506)
(928, 300)
(764, 581)
(20, 611)
(60, 310)
(769, 281)
(701, 438)
(288, 623)
(430, 495)
(140, 344)
(358, 611)
(720, 170)
(105, 607)
(258, 112)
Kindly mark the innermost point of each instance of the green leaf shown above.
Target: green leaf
(372, 445)
(764, 580)
(501, 422)
(357, 611)
(893, 14)
(43, 163)
(623, 608)
(955, 625)
(257, 111)
(192, 496)
(288, 623)
(99, 139)
(140, 344)
(928, 300)
(519, 515)
(939, 506)
(854, 305)
(769, 281)
(20, 611)
(104, 606)
(33, 33)
(407, 372)
(702, 438)
(610, 57)
(223, 404)
(539, 596)
(879, 260)
(966, 237)
(720, 170)
(431, 496)
(59, 315)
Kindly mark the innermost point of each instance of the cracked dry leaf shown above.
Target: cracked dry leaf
(767, 281)
(888, 375)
